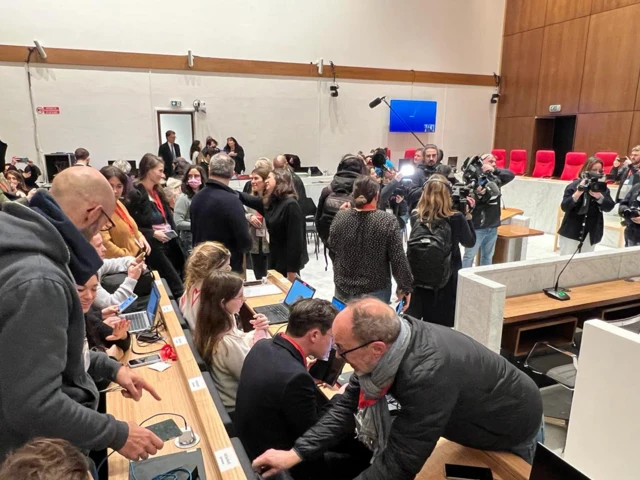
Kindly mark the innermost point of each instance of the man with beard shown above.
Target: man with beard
(46, 383)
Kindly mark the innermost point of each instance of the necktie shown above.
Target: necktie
(173, 152)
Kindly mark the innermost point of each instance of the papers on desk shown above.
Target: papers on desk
(261, 290)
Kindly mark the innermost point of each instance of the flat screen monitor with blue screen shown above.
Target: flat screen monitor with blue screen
(420, 116)
(338, 304)
(298, 291)
(154, 300)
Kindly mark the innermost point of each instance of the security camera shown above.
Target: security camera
(495, 97)
(333, 89)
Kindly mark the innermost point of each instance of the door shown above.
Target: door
(180, 122)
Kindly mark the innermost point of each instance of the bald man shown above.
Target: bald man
(46, 385)
(447, 385)
(280, 161)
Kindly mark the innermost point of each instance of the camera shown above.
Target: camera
(632, 212)
(459, 194)
(472, 175)
(594, 182)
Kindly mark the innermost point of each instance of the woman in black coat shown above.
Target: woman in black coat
(285, 223)
(149, 207)
(235, 151)
(579, 202)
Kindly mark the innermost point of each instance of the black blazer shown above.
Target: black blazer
(572, 222)
(239, 158)
(276, 401)
(145, 213)
(165, 153)
(631, 200)
(286, 226)
(217, 215)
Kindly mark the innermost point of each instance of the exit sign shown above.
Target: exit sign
(555, 108)
(176, 103)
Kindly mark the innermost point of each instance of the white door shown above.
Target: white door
(182, 124)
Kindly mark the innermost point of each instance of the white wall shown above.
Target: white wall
(112, 113)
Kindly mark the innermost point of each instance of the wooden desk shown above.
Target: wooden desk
(507, 213)
(510, 236)
(177, 397)
(247, 312)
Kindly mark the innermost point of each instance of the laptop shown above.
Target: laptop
(549, 466)
(145, 319)
(279, 312)
(340, 305)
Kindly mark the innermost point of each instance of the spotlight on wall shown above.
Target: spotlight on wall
(41, 51)
(199, 106)
(190, 58)
(320, 64)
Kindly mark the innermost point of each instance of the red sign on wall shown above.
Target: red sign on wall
(48, 110)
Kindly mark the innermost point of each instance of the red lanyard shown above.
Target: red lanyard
(293, 342)
(156, 199)
(121, 213)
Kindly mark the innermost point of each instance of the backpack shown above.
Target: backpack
(331, 206)
(429, 253)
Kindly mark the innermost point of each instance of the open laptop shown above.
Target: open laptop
(549, 466)
(340, 305)
(145, 319)
(279, 312)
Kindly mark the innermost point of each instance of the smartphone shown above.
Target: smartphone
(165, 430)
(142, 361)
(466, 472)
(400, 306)
(127, 303)
(171, 234)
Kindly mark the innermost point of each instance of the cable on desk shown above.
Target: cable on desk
(186, 425)
(146, 344)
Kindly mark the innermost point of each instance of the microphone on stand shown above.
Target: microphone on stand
(377, 101)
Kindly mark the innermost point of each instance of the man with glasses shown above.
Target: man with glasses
(446, 384)
(46, 385)
(277, 398)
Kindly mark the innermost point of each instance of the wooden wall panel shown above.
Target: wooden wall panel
(563, 10)
(520, 69)
(612, 61)
(603, 5)
(561, 66)
(514, 133)
(523, 15)
(597, 132)
(634, 138)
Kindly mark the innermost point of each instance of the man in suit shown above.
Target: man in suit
(169, 151)
(217, 213)
(277, 397)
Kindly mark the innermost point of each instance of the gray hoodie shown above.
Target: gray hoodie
(45, 389)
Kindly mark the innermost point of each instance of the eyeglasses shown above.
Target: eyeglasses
(344, 354)
(109, 225)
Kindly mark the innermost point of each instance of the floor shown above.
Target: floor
(320, 276)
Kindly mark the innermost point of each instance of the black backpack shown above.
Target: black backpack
(331, 206)
(429, 252)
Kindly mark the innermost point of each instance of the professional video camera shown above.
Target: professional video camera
(594, 182)
(472, 174)
(632, 212)
(459, 194)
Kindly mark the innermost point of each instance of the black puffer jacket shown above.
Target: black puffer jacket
(447, 385)
(342, 184)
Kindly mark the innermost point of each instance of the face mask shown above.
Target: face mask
(194, 182)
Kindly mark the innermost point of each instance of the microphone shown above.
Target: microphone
(376, 101)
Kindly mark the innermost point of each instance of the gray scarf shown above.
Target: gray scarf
(374, 422)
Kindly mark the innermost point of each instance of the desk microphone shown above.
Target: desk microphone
(377, 101)
(559, 293)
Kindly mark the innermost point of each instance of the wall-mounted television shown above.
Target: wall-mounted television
(419, 115)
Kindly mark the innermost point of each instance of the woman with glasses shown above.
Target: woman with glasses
(217, 337)
(150, 209)
(205, 258)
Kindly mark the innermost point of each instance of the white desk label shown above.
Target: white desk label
(181, 340)
(159, 283)
(227, 459)
(167, 309)
(196, 383)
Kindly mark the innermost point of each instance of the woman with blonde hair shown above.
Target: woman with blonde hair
(217, 337)
(205, 258)
(437, 231)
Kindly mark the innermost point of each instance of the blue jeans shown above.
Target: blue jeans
(485, 242)
(383, 295)
(526, 450)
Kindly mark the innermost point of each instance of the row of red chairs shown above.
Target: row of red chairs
(546, 162)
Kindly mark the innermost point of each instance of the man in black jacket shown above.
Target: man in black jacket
(277, 397)
(447, 385)
(217, 213)
(425, 161)
(486, 214)
(629, 208)
(626, 173)
(169, 152)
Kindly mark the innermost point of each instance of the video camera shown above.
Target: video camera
(472, 174)
(632, 212)
(594, 182)
(459, 194)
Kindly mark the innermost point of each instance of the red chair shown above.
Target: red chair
(573, 162)
(545, 163)
(607, 160)
(518, 161)
(501, 157)
(388, 153)
(409, 153)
